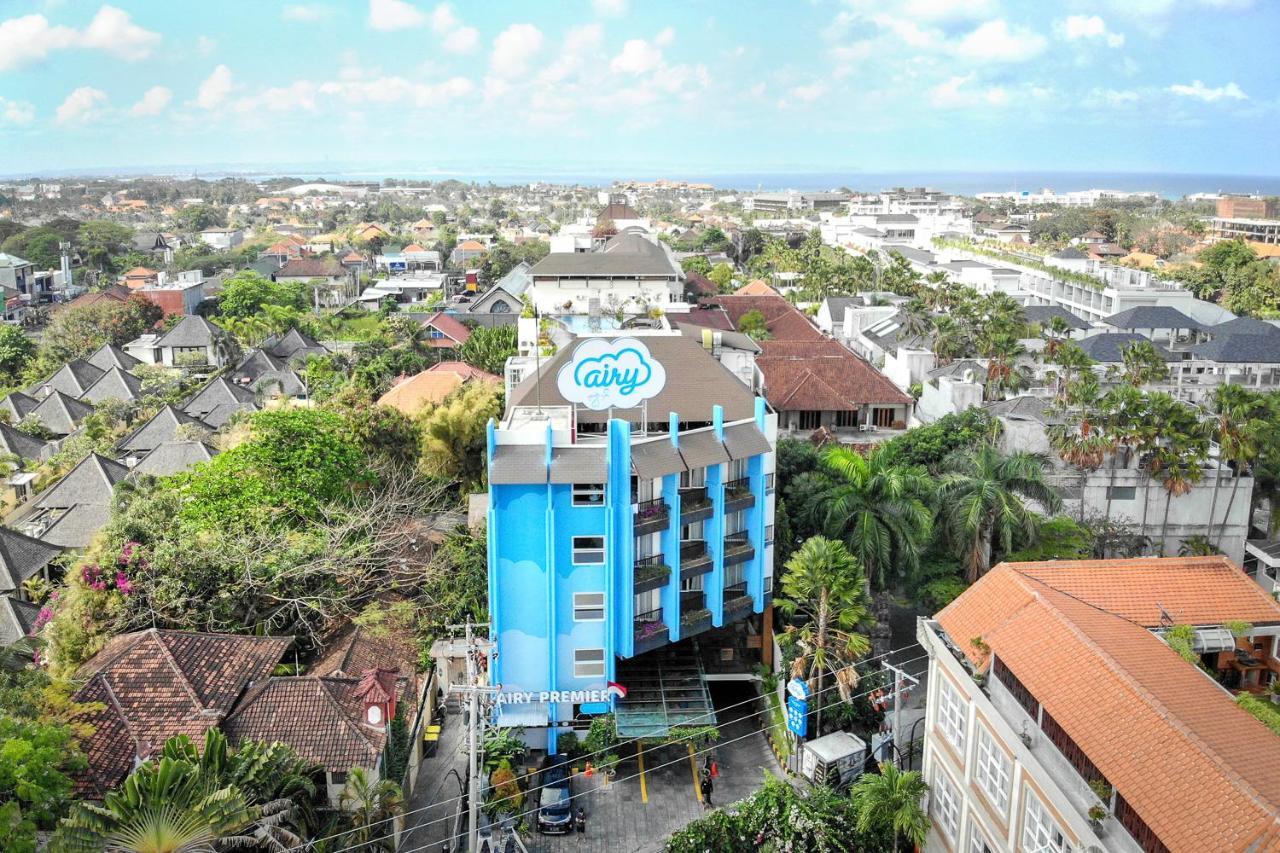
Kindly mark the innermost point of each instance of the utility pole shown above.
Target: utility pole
(475, 729)
(900, 677)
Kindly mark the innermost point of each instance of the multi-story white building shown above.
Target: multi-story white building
(629, 273)
(1060, 719)
(1078, 198)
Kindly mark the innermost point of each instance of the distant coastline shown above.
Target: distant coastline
(968, 183)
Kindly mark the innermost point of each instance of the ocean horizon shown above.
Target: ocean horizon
(968, 183)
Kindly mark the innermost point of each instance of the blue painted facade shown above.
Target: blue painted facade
(533, 575)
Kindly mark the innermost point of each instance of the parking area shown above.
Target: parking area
(656, 793)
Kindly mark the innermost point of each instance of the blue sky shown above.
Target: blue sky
(625, 85)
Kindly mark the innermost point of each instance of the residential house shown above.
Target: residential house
(193, 343)
(1062, 715)
(140, 277)
(115, 384)
(821, 383)
(442, 331)
(217, 402)
(173, 457)
(466, 252)
(303, 270)
(108, 356)
(1244, 351)
(293, 346)
(268, 375)
(160, 429)
(370, 232)
(782, 320)
(17, 405)
(26, 448)
(60, 414)
(22, 558)
(628, 273)
(222, 239)
(149, 686)
(17, 620)
(71, 511)
(431, 386)
(72, 379)
(181, 295)
(1163, 322)
(16, 273)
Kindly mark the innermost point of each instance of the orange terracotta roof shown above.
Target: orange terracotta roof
(140, 272)
(1202, 773)
(431, 386)
(1265, 250)
(471, 246)
(455, 331)
(413, 247)
(784, 321)
(755, 288)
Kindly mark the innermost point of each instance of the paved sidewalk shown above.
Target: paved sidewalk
(437, 790)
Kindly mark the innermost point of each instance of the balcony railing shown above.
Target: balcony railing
(737, 495)
(736, 601)
(694, 504)
(738, 548)
(650, 517)
(650, 631)
(694, 559)
(651, 573)
(694, 615)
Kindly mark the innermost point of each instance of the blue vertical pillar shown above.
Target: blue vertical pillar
(757, 519)
(619, 548)
(713, 529)
(551, 603)
(670, 594)
(491, 550)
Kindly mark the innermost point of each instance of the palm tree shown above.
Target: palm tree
(1141, 364)
(825, 584)
(890, 800)
(983, 498)
(877, 508)
(950, 340)
(1123, 414)
(1240, 422)
(370, 806)
(916, 322)
(1179, 451)
(1002, 352)
(1055, 334)
(1076, 439)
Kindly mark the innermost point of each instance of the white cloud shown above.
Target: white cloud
(394, 15)
(305, 13)
(666, 37)
(609, 7)
(455, 37)
(205, 45)
(399, 90)
(948, 11)
(956, 92)
(80, 105)
(1201, 92)
(637, 57)
(1077, 27)
(808, 93)
(153, 102)
(215, 88)
(514, 49)
(579, 44)
(16, 112)
(996, 41)
(30, 38)
(113, 31)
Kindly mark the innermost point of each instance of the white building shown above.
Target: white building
(629, 274)
(222, 238)
(1079, 198)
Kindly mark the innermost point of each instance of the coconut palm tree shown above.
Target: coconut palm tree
(370, 806)
(950, 341)
(1179, 449)
(984, 496)
(1123, 415)
(1072, 362)
(1142, 364)
(1240, 423)
(1055, 334)
(877, 508)
(1078, 440)
(916, 322)
(891, 801)
(1002, 352)
(825, 585)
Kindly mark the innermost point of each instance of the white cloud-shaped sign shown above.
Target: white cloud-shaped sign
(616, 373)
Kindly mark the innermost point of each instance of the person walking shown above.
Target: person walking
(580, 824)
(707, 787)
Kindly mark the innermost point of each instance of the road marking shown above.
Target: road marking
(644, 790)
(693, 767)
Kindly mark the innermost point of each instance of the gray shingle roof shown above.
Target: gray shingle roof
(21, 445)
(91, 482)
(17, 619)
(160, 429)
(191, 331)
(1240, 349)
(1153, 317)
(1043, 314)
(293, 345)
(1109, 347)
(18, 405)
(72, 379)
(216, 402)
(1245, 326)
(1025, 408)
(623, 255)
(174, 457)
(745, 440)
(108, 356)
(958, 367)
(22, 557)
(60, 414)
(1071, 253)
(115, 384)
(77, 525)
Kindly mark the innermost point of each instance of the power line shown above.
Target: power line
(607, 749)
(623, 779)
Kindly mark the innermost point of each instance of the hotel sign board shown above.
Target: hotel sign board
(579, 697)
(611, 373)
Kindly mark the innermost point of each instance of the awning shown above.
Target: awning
(657, 458)
(528, 714)
(745, 440)
(518, 463)
(579, 465)
(701, 449)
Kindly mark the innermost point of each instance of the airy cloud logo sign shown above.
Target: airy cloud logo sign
(613, 688)
(606, 373)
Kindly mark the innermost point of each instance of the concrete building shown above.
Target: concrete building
(222, 239)
(1060, 719)
(630, 508)
(1265, 231)
(791, 200)
(629, 273)
(1244, 207)
(178, 296)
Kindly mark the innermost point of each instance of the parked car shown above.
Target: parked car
(555, 804)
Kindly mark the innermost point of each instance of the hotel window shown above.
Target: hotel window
(588, 550)
(588, 663)
(992, 770)
(951, 714)
(768, 482)
(588, 494)
(588, 607)
(946, 805)
(1039, 833)
(978, 842)
(1122, 493)
(810, 419)
(847, 419)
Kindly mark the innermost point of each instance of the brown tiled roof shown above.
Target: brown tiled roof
(320, 717)
(311, 268)
(784, 321)
(356, 650)
(1202, 773)
(451, 327)
(822, 375)
(756, 287)
(156, 684)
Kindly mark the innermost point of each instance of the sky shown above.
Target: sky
(1174, 86)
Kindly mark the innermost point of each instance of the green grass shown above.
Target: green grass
(1265, 711)
(778, 725)
(990, 251)
(358, 328)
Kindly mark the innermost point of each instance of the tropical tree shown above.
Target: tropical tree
(370, 807)
(1072, 362)
(1178, 452)
(1076, 439)
(1004, 375)
(1056, 333)
(1241, 420)
(877, 508)
(825, 586)
(489, 348)
(1141, 364)
(453, 433)
(891, 799)
(984, 497)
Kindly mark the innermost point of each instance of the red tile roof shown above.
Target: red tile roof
(451, 327)
(822, 375)
(311, 268)
(1202, 773)
(784, 321)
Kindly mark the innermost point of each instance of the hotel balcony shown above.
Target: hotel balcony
(651, 517)
(738, 496)
(651, 632)
(737, 603)
(651, 573)
(694, 615)
(695, 505)
(738, 548)
(695, 559)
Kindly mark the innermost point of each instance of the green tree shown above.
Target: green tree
(1142, 364)
(198, 217)
(824, 585)
(696, 263)
(16, 351)
(37, 761)
(488, 348)
(370, 808)
(891, 800)
(102, 242)
(37, 245)
(76, 331)
(247, 293)
(877, 508)
(505, 256)
(721, 276)
(984, 497)
(753, 324)
(453, 433)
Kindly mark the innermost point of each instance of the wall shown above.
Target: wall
(908, 366)
(946, 398)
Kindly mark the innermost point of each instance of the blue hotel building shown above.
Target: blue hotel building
(630, 509)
